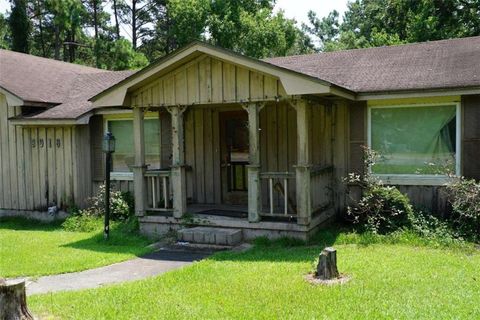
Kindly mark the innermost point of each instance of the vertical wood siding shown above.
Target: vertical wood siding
(471, 136)
(206, 80)
(40, 166)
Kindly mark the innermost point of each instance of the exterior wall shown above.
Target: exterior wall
(207, 80)
(40, 166)
(430, 198)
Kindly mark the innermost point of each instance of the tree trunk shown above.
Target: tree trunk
(115, 14)
(57, 43)
(95, 27)
(134, 24)
(13, 301)
(327, 264)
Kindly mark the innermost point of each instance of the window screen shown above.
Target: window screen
(414, 140)
(124, 155)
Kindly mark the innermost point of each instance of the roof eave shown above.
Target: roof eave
(427, 92)
(295, 83)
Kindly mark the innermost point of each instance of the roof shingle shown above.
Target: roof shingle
(440, 64)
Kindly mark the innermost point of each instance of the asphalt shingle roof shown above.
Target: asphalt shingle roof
(440, 64)
(68, 86)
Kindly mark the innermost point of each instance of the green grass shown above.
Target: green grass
(395, 277)
(31, 248)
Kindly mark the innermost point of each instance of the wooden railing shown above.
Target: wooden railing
(321, 184)
(158, 190)
(278, 184)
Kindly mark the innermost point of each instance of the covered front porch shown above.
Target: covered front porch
(242, 144)
(260, 163)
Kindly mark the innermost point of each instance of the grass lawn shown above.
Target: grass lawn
(30, 248)
(390, 279)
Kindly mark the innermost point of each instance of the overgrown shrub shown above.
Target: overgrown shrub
(381, 209)
(82, 222)
(464, 196)
(121, 204)
(91, 219)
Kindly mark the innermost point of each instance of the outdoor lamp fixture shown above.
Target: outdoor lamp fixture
(109, 148)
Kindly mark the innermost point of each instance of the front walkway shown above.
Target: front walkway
(140, 268)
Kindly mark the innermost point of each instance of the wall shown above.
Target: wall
(429, 198)
(40, 166)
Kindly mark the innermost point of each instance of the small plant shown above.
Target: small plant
(91, 218)
(381, 209)
(464, 196)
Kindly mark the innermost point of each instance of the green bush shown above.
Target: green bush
(92, 218)
(83, 222)
(464, 196)
(381, 209)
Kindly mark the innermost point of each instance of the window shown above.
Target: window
(124, 155)
(415, 140)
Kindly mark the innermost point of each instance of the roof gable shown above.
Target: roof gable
(290, 82)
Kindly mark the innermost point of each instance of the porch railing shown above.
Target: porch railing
(278, 185)
(321, 184)
(158, 190)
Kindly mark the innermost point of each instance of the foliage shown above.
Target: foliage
(19, 26)
(4, 32)
(372, 23)
(268, 282)
(123, 57)
(464, 196)
(83, 222)
(381, 209)
(33, 248)
(91, 219)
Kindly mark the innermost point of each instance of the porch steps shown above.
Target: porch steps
(211, 236)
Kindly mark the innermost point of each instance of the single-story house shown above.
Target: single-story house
(214, 138)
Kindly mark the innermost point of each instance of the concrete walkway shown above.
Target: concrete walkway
(139, 268)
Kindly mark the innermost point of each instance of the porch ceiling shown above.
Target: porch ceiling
(241, 79)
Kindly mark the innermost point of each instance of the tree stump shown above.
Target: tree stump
(13, 301)
(327, 264)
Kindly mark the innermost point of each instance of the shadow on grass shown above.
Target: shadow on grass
(284, 249)
(24, 224)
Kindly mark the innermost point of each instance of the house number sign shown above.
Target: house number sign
(41, 143)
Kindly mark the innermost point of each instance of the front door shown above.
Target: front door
(234, 152)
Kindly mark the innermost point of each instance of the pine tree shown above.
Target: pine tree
(19, 26)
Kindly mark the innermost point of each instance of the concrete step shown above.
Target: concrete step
(209, 235)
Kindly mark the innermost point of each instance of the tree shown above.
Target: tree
(368, 23)
(19, 26)
(4, 33)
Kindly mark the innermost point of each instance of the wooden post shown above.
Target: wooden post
(254, 186)
(179, 185)
(13, 300)
(327, 264)
(303, 167)
(139, 183)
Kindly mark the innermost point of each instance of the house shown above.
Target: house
(222, 140)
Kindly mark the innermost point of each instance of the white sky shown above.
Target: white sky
(296, 9)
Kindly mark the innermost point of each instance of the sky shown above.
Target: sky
(296, 9)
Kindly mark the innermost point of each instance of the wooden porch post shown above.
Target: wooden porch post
(139, 182)
(254, 186)
(178, 177)
(304, 203)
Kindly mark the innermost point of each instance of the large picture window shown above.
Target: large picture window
(124, 156)
(414, 140)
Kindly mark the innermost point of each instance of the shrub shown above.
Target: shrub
(464, 196)
(82, 222)
(381, 209)
(121, 204)
(91, 219)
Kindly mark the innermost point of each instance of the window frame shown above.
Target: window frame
(125, 175)
(420, 179)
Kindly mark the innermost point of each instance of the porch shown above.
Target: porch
(262, 167)
(233, 132)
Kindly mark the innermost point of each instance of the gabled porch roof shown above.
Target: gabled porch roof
(294, 83)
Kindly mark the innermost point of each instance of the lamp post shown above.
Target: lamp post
(109, 148)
